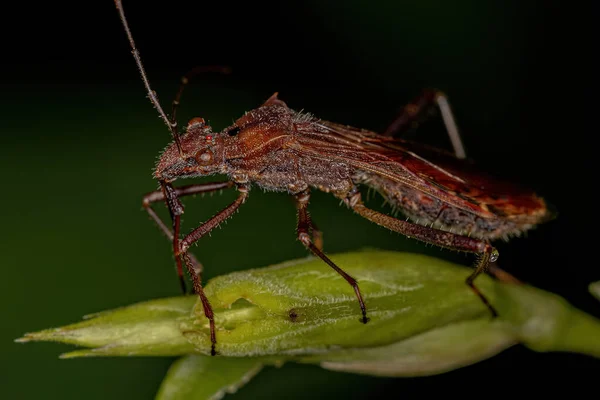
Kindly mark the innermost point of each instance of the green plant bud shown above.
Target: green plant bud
(424, 320)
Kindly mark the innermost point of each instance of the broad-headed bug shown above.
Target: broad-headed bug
(447, 202)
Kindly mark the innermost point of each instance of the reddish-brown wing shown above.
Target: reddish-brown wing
(432, 171)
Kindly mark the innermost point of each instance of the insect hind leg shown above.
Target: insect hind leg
(486, 252)
(481, 267)
(420, 108)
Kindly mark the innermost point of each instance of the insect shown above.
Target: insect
(448, 203)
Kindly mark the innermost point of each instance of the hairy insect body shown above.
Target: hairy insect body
(277, 131)
(426, 210)
(265, 142)
(296, 174)
(278, 149)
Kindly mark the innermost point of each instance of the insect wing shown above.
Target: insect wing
(432, 171)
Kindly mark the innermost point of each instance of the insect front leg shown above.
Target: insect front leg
(449, 240)
(159, 196)
(419, 108)
(194, 236)
(303, 227)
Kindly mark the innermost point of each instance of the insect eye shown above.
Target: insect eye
(204, 157)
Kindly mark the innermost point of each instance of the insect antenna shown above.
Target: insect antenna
(172, 124)
(185, 80)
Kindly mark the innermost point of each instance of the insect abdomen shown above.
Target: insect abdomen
(427, 210)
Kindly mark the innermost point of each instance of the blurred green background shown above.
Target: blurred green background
(79, 141)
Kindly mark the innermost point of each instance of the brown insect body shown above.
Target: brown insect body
(279, 149)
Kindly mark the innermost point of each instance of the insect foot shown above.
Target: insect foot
(490, 254)
(494, 256)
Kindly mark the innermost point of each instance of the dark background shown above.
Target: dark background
(79, 140)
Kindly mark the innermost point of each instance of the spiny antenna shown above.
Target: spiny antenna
(151, 93)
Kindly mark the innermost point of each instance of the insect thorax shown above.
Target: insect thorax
(293, 173)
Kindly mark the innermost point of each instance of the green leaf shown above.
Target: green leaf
(145, 329)
(196, 377)
(304, 307)
(424, 318)
(433, 352)
(539, 320)
(546, 322)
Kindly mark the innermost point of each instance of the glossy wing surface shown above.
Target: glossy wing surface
(429, 170)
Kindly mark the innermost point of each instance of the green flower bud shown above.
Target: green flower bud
(424, 320)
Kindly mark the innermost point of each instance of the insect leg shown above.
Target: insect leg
(502, 275)
(194, 236)
(450, 123)
(419, 108)
(184, 82)
(206, 307)
(486, 252)
(317, 235)
(159, 195)
(215, 221)
(412, 113)
(303, 235)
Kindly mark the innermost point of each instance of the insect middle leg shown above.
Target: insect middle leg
(420, 107)
(182, 253)
(303, 227)
(486, 252)
(159, 196)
